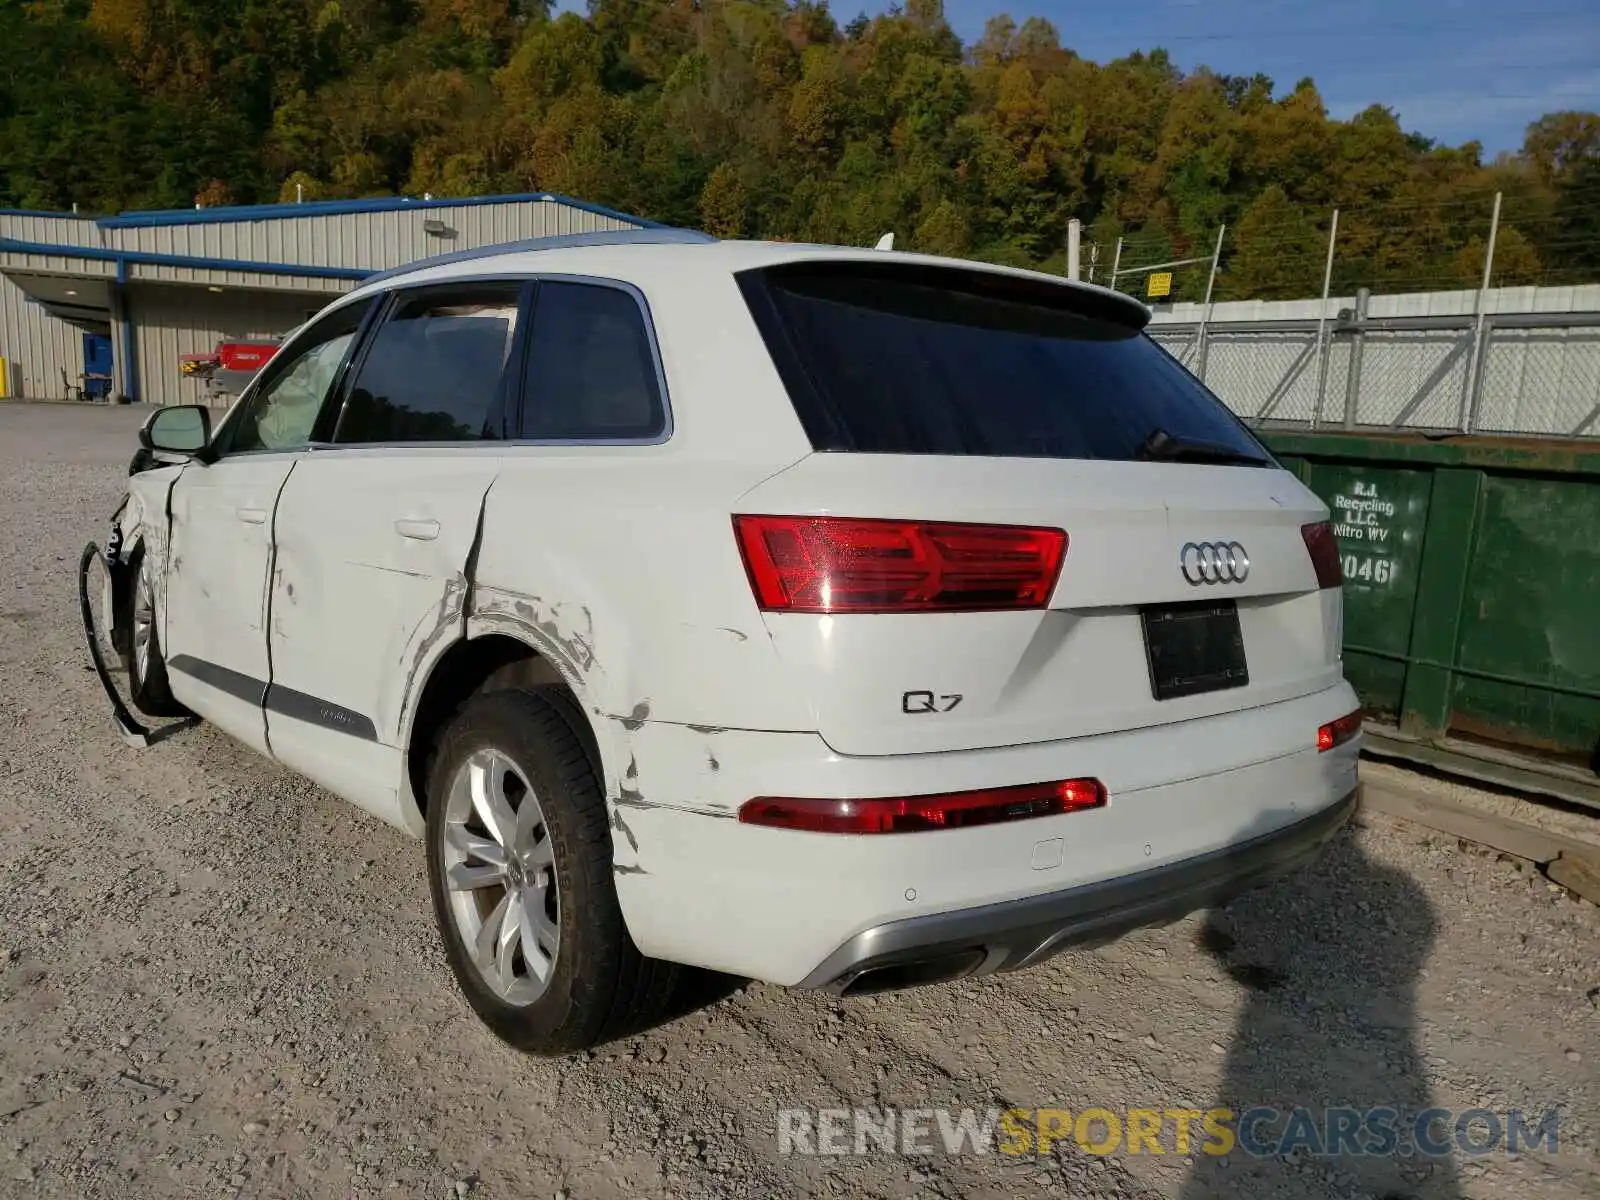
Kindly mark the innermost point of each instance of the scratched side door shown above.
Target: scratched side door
(220, 561)
(375, 531)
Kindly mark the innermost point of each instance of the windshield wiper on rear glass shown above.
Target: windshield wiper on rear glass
(1161, 446)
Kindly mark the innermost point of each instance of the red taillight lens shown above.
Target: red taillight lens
(848, 564)
(1337, 733)
(1324, 548)
(912, 814)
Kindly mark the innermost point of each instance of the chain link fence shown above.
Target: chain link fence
(1518, 361)
(1541, 380)
(1470, 354)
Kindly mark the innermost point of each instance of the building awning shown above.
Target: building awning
(84, 301)
(19, 260)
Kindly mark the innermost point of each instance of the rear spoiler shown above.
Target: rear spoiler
(998, 283)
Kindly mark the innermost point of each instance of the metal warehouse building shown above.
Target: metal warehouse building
(112, 304)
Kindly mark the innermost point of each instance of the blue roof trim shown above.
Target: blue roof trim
(333, 208)
(146, 258)
(42, 212)
(656, 235)
(659, 236)
(600, 210)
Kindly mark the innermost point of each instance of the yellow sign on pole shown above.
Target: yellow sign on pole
(1160, 284)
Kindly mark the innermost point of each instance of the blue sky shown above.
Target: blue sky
(1454, 70)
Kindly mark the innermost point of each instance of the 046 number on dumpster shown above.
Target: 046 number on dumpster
(1369, 570)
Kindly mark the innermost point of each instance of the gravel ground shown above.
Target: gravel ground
(218, 980)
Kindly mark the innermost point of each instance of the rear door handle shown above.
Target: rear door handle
(417, 531)
(251, 516)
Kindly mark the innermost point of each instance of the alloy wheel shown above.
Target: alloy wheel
(500, 876)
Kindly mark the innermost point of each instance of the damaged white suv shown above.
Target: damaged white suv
(842, 619)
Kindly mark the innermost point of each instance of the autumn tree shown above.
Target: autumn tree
(770, 118)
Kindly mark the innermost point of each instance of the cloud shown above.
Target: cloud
(1452, 114)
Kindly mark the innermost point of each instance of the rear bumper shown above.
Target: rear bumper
(696, 886)
(1025, 932)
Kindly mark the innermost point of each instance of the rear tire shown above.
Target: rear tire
(520, 869)
(147, 666)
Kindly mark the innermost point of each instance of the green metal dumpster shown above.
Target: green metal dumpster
(1472, 598)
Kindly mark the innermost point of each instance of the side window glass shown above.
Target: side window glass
(283, 410)
(591, 375)
(436, 369)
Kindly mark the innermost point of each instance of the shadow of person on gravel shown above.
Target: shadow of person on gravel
(1330, 958)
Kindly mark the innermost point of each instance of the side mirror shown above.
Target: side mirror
(182, 429)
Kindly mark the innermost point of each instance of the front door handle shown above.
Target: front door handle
(417, 531)
(251, 516)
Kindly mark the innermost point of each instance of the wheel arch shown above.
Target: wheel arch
(474, 665)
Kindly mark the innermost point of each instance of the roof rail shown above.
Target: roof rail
(561, 241)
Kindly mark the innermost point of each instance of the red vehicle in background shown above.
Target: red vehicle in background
(226, 370)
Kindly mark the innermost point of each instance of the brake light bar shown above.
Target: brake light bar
(865, 565)
(1323, 547)
(1337, 733)
(915, 814)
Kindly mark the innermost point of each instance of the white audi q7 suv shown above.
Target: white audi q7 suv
(839, 618)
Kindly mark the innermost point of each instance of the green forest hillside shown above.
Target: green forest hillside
(771, 119)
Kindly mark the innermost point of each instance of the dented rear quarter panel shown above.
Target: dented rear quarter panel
(618, 562)
(644, 608)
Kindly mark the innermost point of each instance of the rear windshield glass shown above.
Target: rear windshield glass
(911, 359)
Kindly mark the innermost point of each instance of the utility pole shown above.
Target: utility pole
(1116, 262)
(1074, 237)
(1205, 316)
(1216, 257)
(1322, 324)
(1469, 389)
(1352, 375)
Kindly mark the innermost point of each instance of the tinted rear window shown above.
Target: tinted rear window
(908, 359)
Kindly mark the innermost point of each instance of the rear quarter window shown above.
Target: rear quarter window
(912, 359)
(591, 375)
(436, 369)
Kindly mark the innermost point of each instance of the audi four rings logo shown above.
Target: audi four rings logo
(1214, 562)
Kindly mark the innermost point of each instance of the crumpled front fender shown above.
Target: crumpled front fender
(116, 595)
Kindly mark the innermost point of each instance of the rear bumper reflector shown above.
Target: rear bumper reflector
(914, 814)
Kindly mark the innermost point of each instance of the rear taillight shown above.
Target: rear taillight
(913, 814)
(1324, 549)
(849, 564)
(1337, 733)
